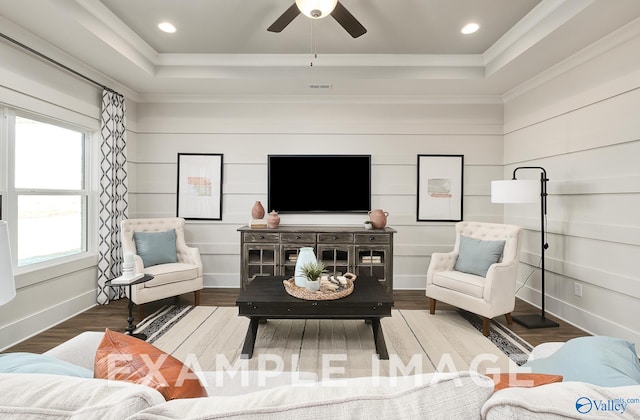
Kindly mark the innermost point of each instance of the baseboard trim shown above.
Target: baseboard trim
(578, 317)
(34, 324)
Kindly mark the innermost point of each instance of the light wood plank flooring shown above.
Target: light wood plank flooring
(114, 316)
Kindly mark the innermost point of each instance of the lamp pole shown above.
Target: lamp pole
(535, 321)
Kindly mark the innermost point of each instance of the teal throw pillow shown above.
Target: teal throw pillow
(599, 360)
(156, 247)
(40, 363)
(475, 255)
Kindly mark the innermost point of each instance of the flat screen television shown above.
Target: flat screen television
(319, 183)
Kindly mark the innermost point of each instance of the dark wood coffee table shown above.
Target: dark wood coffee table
(265, 298)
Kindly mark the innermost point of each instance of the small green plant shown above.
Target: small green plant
(313, 270)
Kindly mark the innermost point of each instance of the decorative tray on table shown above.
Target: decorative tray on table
(331, 287)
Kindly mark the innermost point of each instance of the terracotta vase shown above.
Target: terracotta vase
(257, 211)
(378, 218)
(273, 221)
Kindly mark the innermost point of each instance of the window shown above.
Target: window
(49, 183)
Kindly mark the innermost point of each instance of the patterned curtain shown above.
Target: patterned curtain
(113, 191)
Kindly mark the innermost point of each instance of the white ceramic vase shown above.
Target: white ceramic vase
(305, 255)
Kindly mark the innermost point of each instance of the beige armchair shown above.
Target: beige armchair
(486, 295)
(172, 278)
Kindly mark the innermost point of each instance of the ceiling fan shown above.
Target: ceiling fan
(317, 9)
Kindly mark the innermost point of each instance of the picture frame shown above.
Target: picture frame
(199, 189)
(440, 188)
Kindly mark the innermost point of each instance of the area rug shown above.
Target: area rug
(212, 337)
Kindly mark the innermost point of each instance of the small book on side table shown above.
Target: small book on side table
(127, 280)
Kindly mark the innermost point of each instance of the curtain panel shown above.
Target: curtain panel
(113, 192)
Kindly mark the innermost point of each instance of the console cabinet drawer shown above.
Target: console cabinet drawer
(372, 238)
(292, 238)
(335, 238)
(260, 237)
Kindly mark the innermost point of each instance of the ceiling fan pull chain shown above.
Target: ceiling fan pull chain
(313, 42)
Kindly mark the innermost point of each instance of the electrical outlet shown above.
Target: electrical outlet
(577, 289)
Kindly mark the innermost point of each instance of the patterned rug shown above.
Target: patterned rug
(506, 340)
(509, 343)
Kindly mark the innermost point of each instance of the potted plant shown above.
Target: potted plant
(312, 271)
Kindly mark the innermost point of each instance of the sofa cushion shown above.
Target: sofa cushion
(79, 350)
(125, 358)
(156, 247)
(223, 382)
(599, 360)
(457, 395)
(475, 255)
(39, 396)
(40, 363)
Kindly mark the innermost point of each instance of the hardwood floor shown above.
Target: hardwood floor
(114, 316)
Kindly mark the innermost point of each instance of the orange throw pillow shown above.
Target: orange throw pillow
(522, 380)
(121, 357)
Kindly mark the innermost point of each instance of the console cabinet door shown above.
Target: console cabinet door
(289, 257)
(337, 259)
(260, 260)
(373, 261)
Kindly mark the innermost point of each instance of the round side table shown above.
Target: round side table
(130, 326)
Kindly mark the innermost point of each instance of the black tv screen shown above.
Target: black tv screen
(319, 183)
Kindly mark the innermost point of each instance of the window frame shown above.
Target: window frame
(11, 193)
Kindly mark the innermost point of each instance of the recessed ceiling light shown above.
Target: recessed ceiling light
(470, 28)
(167, 27)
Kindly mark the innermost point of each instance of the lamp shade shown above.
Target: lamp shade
(515, 191)
(7, 283)
(316, 9)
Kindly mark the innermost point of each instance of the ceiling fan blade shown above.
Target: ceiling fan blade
(347, 21)
(284, 19)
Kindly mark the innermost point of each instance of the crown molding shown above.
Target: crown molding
(325, 99)
(545, 18)
(602, 46)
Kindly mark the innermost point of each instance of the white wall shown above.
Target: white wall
(580, 122)
(246, 132)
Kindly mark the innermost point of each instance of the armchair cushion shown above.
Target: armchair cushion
(156, 247)
(471, 285)
(170, 273)
(475, 255)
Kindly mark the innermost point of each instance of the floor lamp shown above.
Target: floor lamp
(7, 282)
(527, 191)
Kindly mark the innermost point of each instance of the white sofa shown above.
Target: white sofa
(460, 395)
(287, 396)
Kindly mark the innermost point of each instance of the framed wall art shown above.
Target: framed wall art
(199, 186)
(440, 188)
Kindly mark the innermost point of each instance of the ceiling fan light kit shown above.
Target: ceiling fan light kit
(316, 9)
